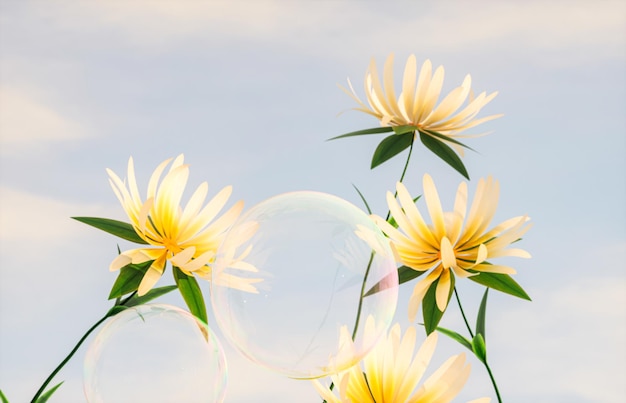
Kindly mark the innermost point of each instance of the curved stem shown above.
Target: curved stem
(358, 312)
(367, 271)
(493, 382)
(458, 301)
(406, 165)
(469, 329)
(80, 342)
(69, 356)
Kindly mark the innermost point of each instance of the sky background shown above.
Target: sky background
(248, 92)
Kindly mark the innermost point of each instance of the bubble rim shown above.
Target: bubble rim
(113, 321)
(236, 344)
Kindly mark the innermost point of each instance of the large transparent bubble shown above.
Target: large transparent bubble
(155, 353)
(315, 256)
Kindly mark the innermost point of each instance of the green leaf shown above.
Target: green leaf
(405, 274)
(375, 130)
(115, 310)
(480, 319)
(46, 395)
(3, 398)
(455, 336)
(190, 290)
(447, 138)
(501, 282)
(150, 295)
(404, 129)
(117, 228)
(432, 314)
(390, 147)
(444, 152)
(479, 347)
(362, 198)
(129, 279)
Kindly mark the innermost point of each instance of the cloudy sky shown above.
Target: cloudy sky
(248, 92)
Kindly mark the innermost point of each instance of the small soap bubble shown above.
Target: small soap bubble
(315, 255)
(154, 353)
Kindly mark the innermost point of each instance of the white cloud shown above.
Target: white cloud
(545, 29)
(40, 219)
(29, 125)
(569, 340)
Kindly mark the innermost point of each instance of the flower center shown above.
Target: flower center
(171, 246)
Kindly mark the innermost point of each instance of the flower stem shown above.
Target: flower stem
(110, 313)
(69, 356)
(406, 165)
(358, 312)
(458, 301)
(369, 264)
(493, 381)
(469, 329)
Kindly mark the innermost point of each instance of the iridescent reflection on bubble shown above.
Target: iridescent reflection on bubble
(154, 353)
(315, 256)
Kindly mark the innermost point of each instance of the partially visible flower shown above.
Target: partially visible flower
(454, 241)
(188, 237)
(391, 373)
(417, 103)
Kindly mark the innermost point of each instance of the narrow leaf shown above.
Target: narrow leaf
(129, 279)
(46, 395)
(405, 274)
(501, 282)
(444, 152)
(479, 347)
(480, 319)
(115, 310)
(190, 290)
(3, 398)
(114, 227)
(375, 130)
(455, 336)
(390, 147)
(447, 138)
(432, 314)
(362, 198)
(404, 129)
(150, 295)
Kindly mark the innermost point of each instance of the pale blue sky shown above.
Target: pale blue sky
(248, 91)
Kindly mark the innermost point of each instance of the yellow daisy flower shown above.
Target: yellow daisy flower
(417, 103)
(391, 373)
(188, 237)
(454, 241)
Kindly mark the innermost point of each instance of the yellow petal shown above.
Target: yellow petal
(443, 290)
(434, 206)
(420, 290)
(119, 262)
(448, 259)
(154, 178)
(181, 258)
(149, 280)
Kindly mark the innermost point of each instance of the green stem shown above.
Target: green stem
(406, 165)
(358, 312)
(469, 329)
(458, 301)
(77, 346)
(369, 265)
(69, 356)
(493, 381)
